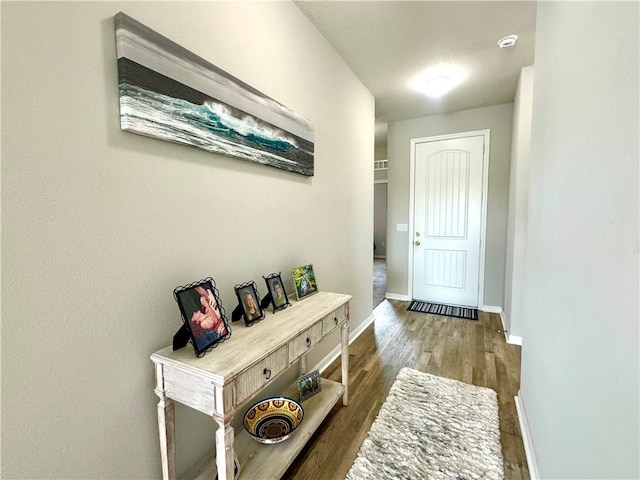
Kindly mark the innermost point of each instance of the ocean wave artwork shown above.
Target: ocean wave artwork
(169, 93)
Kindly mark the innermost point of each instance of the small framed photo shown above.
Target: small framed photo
(202, 314)
(249, 299)
(275, 287)
(309, 385)
(304, 281)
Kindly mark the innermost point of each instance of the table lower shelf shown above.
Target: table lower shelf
(258, 460)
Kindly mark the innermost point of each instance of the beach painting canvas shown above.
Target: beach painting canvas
(170, 93)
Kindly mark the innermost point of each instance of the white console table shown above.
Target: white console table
(222, 382)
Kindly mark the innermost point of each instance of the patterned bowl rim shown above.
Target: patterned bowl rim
(270, 399)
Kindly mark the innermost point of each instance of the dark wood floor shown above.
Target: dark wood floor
(470, 351)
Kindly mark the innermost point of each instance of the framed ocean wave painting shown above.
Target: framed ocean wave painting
(170, 93)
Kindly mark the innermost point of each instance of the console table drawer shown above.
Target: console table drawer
(180, 386)
(305, 341)
(333, 320)
(260, 374)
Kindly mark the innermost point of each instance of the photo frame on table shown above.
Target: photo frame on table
(309, 385)
(277, 293)
(304, 281)
(249, 300)
(204, 320)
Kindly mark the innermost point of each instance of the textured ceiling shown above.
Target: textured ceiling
(388, 43)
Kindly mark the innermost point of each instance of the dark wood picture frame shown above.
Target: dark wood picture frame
(202, 314)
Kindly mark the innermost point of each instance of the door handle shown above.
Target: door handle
(417, 242)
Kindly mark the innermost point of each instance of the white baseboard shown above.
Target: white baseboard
(532, 464)
(514, 340)
(396, 296)
(510, 339)
(503, 321)
(499, 311)
(490, 309)
(335, 353)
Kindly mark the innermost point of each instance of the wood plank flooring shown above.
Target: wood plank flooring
(466, 350)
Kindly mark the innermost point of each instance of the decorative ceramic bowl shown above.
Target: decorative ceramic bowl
(272, 420)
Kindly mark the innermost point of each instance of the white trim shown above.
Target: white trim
(397, 296)
(381, 181)
(485, 191)
(514, 340)
(380, 164)
(483, 221)
(511, 339)
(335, 353)
(503, 320)
(491, 309)
(532, 464)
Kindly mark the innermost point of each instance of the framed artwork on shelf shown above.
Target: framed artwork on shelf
(249, 299)
(275, 287)
(309, 385)
(304, 281)
(202, 314)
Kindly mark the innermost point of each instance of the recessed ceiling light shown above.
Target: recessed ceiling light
(508, 41)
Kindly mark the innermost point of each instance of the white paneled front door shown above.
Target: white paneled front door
(447, 220)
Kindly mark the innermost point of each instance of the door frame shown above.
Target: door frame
(483, 209)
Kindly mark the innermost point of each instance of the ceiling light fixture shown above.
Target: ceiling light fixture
(508, 41)
(438, 86)
(437, 81)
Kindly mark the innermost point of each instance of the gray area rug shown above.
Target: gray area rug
(432, 428)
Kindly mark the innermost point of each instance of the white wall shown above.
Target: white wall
(580, 375)
(498, 119)
(518, 198)
(99, 225)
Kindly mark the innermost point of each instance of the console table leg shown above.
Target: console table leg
(166, 427)
(345, 361)
(224, 450)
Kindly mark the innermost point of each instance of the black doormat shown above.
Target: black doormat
(446, 310)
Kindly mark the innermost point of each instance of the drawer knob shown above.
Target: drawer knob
(335, 320)
(267, 373)
(308, 342)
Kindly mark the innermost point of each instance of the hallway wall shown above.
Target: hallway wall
(499, 120)
(100, 225)
(518, 203)
(580, 376)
